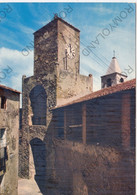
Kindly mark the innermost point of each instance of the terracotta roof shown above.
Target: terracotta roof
(106, 91)
(8, 88)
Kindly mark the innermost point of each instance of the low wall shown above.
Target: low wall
(92, 170)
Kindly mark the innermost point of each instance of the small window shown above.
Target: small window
(3, 102)
(121, 80)
(109, 82)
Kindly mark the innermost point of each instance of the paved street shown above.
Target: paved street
(28, 187)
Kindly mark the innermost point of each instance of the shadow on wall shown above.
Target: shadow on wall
(39, 155)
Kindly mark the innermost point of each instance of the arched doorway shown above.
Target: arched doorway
(38, 148)
(38, 99)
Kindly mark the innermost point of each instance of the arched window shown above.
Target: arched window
(121, 80)
(38, 100)
(109, 82)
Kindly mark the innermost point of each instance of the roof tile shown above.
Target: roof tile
(8, 88)
(106, 91)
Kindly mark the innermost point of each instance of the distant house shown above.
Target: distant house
(9, 126)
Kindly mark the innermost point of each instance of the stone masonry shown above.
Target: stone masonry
(9, 140)
(56, 78)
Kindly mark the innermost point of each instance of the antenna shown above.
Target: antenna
(55, 15)
(113, 53)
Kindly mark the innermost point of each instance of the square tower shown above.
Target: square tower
(56, 78)
(57, 42)
(113, 76)
(57, 51)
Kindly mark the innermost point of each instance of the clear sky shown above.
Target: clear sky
(18, 22)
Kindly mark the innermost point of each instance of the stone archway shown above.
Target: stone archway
(38, 99)
(38, 150)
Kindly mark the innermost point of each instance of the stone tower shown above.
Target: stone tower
(113, 75)
(56, 79)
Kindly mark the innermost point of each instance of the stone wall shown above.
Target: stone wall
(109, 120)
(49, 52)
(45, 49)
(68, 36)
(57, 157)
(29, 130)
(94, 153)
(87, 170)
(9, 120)
(72, 85)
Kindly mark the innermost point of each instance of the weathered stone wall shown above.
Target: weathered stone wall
(68, 36)
(103, 163)
(106, 164)
(49, 53)
(45, 49)
(87, 170)
(69, 81)
(29, 130)
(9, 120)
(109, 120)
(71, 167)
(70, 85)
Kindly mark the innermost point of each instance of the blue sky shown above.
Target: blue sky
(18, 26)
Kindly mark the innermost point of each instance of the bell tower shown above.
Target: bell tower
(56, 79)
(113, 75)
(57, 51)
(58, 42)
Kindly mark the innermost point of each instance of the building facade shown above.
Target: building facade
(73, 140)
(56, 79)
(9, 137)
(94, 140)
